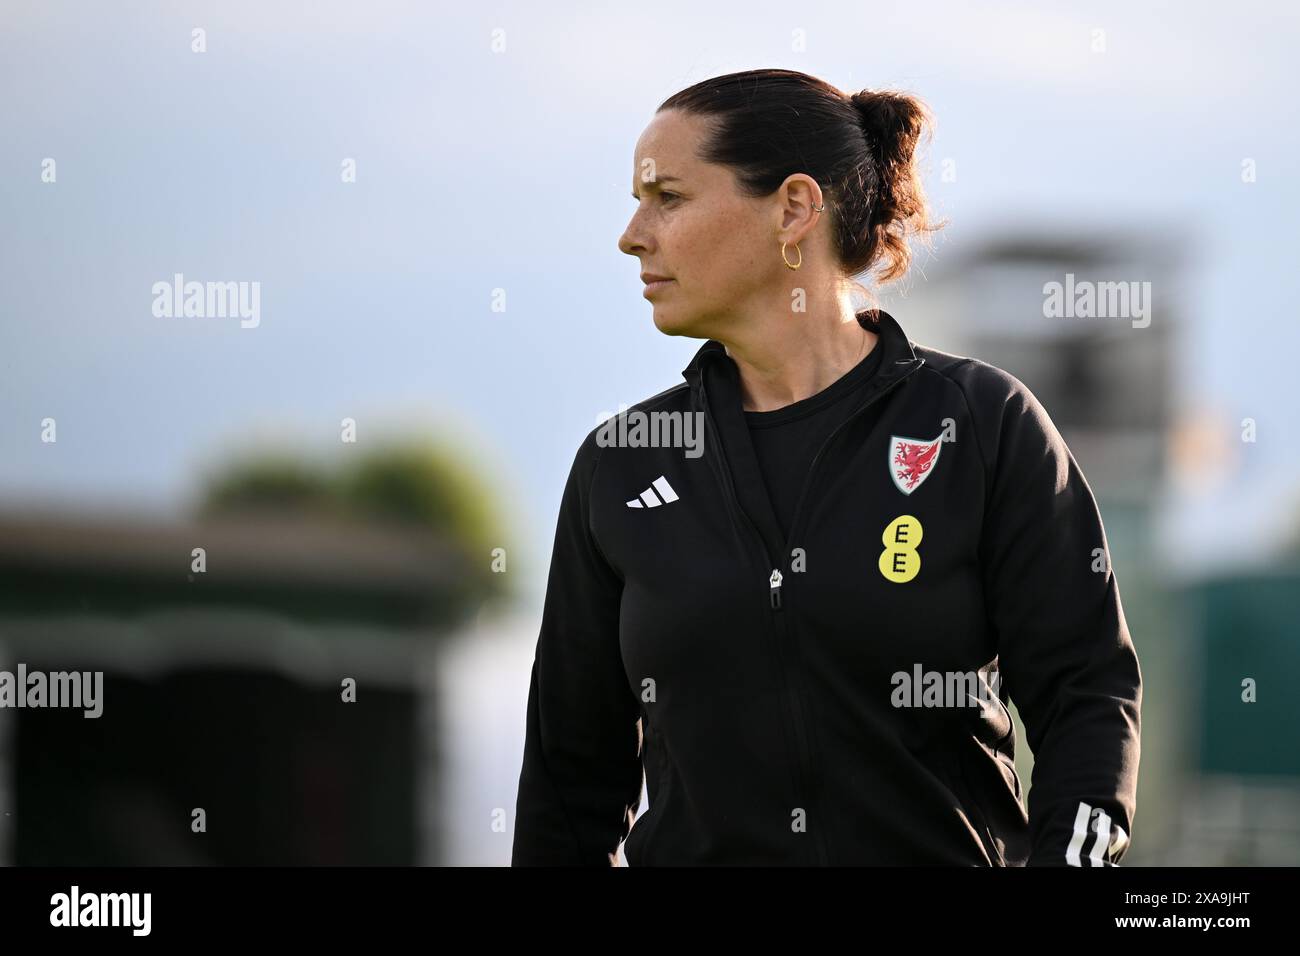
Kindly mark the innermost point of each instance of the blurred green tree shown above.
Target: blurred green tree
(403, 484)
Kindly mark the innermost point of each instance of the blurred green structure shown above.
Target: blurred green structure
(1240, 805)
(225, 669)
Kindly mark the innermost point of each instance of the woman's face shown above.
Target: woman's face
(719, 249)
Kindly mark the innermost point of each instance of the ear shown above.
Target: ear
(796, 198)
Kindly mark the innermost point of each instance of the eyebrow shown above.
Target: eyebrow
(657, 182)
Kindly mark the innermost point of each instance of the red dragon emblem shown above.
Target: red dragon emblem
(911, 460)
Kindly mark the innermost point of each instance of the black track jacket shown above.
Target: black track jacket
(801, 701)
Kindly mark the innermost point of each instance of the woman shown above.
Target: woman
(807, 635)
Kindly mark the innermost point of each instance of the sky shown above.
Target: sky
(493, 149)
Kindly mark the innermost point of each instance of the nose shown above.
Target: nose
(632, 242)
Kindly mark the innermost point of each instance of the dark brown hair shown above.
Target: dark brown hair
(860, 148)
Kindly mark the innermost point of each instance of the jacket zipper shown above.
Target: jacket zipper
(776, 579)
(774, 590)
(809, 480)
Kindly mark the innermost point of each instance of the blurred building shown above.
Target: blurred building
(223, 690)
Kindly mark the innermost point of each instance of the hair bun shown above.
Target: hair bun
(887, 118)
(893, 124)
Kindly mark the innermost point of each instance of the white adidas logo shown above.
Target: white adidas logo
(651, 500)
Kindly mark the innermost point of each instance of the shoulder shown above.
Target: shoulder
(976, 378)
(675, 399)
(993, 394)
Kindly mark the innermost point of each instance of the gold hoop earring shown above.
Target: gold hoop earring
(787, 261)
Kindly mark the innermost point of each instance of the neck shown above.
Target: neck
(786, 358)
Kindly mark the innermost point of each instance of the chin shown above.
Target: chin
(671, 322)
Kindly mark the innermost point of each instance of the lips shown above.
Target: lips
(654, 285)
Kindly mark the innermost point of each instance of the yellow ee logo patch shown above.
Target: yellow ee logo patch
(899, 562)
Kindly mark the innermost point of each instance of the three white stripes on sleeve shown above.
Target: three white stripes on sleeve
(1111, 838)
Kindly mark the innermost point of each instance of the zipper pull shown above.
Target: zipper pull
(775, 584)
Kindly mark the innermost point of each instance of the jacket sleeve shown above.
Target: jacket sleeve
(580, 785)
(1066, 657)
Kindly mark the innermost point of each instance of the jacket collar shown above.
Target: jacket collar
(898, 352)
(722, 397)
